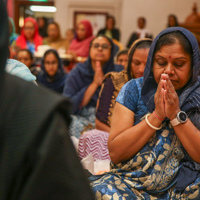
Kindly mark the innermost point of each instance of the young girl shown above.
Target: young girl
(52, 74)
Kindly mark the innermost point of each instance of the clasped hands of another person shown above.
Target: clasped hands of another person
(97, 81)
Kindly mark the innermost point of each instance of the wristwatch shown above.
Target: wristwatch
(180, 118)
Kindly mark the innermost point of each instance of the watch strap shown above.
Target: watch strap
(175, 122)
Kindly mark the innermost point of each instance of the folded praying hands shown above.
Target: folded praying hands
(166, 99)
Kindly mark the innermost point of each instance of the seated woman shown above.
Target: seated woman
(69, 36)
(172, 21)
(42, 26)
(154, 139)
(83, 82)
(54, 38)
(110, 30)
(26, 57)
(95, 141)
(121, 58)
(81, 43)
(140, 32)
(52, 74)
(29, 38)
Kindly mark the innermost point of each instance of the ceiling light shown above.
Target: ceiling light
(43, 8)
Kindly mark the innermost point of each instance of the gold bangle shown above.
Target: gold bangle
(147, 121)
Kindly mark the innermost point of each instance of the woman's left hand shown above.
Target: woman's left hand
(170, 98)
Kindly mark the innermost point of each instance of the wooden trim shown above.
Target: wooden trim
(87, 13)
(193, 27)
(18, 3)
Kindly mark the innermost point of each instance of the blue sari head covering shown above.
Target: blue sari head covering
(150, 85)
(57, 83)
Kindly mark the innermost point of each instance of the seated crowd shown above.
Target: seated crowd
(137, 107)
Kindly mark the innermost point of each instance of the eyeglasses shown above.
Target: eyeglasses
(103, 46)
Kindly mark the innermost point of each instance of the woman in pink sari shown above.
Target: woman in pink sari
(29, 38)
(79, 46)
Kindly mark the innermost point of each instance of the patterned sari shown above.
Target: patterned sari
(154, 171)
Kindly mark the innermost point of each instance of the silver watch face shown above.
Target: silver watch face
(182, 117)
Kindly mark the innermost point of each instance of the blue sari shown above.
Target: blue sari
(156, 170)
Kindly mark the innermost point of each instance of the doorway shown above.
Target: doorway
(35, 9)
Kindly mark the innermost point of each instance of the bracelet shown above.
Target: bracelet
(147, 121)
(157, 116)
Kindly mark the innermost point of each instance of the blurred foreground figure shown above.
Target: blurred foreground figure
(37, 157)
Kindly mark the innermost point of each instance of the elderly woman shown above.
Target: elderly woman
(52, 74)
(95, 141)
(83, 82)
(154, 144)
(29, 38)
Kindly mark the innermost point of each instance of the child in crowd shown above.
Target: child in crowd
(25, 56)
(52, 74)
(121, 58)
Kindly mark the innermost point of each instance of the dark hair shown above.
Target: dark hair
(173, 38)
(72, 30)
(143, 18)
(175, 18)
(44, 19)
(51, 51)
(122, 52)
(143, 44)
(111, 17)
(28, 51)
(101, 35)
(58, 27)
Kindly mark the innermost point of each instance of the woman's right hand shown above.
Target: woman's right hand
(159, 100)
(99, 75)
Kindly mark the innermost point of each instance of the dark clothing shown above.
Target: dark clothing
(136, 36)
(106, 96)
(37, 157)
(115, 33)
(43, 32)
(110, 88)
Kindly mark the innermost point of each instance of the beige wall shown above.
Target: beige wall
(155, 11)
(126, 12)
